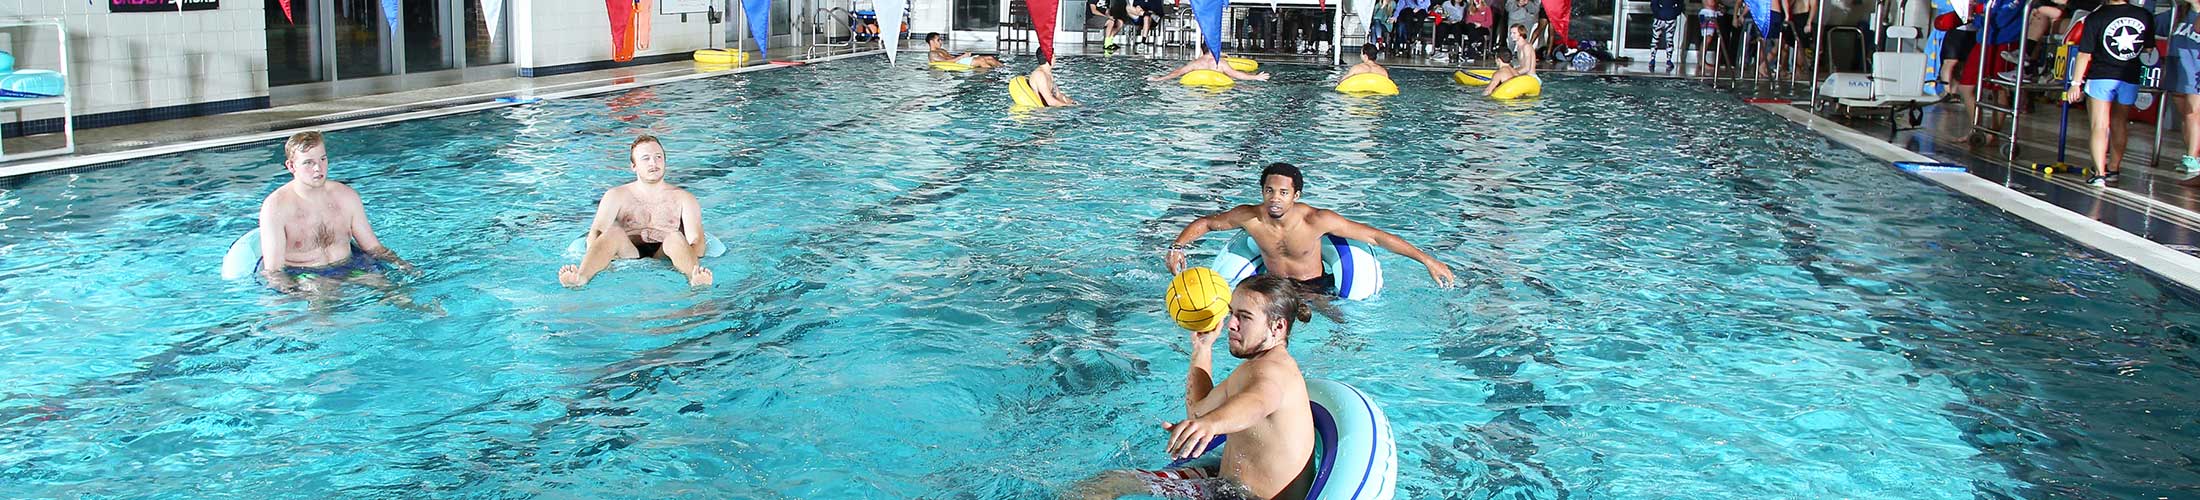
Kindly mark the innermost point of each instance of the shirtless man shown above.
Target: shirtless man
(314, 231)
(1206, 60)
(647, 218)
(971, 59)
(1262, 406)
(1043, 84)
(1289, 233)
(1523, 50)
(1367, 63)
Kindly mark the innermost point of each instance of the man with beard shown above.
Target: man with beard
(645, 219)
(1289, 233)
(1262, 406)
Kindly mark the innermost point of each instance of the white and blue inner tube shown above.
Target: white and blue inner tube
(1354, 455)
(1351, 263)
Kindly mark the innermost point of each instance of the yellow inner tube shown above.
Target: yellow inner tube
(1473, 77)
(950, 66)
(1242, 64)
(1206, 78)
(1019, 90)
(1518, 87)
(1368, 83)
(716, 56)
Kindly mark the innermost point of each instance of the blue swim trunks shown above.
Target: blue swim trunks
(2112, 90)
(359, 264)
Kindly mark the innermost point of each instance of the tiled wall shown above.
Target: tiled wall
(559, 32)
(132, 61)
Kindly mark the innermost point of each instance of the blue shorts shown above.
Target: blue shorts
(359, 264)
(2116, 91)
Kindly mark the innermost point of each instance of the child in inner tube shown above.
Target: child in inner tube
(1506, 68)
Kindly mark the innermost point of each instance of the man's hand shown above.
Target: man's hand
(1175, 259)
(1440, 272)
(2074, 93)
(1206, 339)
(1188, 439)
(281, 282)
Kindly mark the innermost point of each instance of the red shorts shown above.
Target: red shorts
(1967, 71)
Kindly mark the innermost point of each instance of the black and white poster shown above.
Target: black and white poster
(161, 5)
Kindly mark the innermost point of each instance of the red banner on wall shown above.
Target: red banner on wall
(161, 5)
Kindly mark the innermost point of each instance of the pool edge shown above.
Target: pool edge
(73, 162)
(2168, 264)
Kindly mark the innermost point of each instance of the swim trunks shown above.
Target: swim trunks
(358, 265)
(1194, 483)
(648, 250)
(1326, 284)
(966, 59)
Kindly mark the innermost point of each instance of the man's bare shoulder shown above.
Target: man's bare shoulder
(1283, 372)
(687, 197)
(616, 193)
(1315, 215)
(277, 198)
(344, 192)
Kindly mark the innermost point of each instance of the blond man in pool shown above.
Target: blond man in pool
(1262, 406)
(647, 218)
(314, 231)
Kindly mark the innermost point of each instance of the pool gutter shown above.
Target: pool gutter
(2161, 261)
(524, 97)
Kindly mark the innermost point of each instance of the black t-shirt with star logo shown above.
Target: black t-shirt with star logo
(2115, 35)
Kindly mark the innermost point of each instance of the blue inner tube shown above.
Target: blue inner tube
(1354, 456)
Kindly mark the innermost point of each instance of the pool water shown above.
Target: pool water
(1664, 293)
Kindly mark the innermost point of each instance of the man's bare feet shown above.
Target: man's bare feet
(570, 276)
(701, 278)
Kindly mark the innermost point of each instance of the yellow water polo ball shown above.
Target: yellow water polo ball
(1198, 299)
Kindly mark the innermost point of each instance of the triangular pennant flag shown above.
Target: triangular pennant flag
(389, 14)
(1561, 14)
(1042, 20)
(621, 13)
(759, 13)
(889, 21)
(1208, 13)
(286, 12)
(492, 10)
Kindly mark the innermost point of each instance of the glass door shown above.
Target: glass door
(321, 49)
(426, 35)
(293, 45)
(488, 32)
(1631, 29)
(364, 46)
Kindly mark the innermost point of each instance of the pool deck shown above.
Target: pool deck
(128, 142)
(2147, 219)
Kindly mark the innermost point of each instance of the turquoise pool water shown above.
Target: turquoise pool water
(1666, 293)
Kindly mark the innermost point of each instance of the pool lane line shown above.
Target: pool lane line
(81, 161)
(2155, 258)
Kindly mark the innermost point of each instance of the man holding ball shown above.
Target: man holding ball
(1262, 405)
